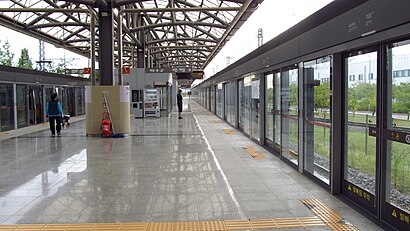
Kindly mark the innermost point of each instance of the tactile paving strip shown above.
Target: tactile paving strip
(325, 217)
(328, 215)
(255, 154)
(229, 131)
(276, 223)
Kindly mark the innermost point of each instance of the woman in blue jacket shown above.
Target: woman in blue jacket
(54, 112)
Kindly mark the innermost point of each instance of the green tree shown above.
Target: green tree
(322, 95)
(352, 102)
(6, 56)
(59, 68)
(25, 60)
(366, 96)
(293, 94)
(401, 98)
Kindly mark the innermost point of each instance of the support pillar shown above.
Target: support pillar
(106, 44)
(92, 52)
(141, 49)
(120, 19)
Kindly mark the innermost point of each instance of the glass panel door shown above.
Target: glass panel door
(396, 203)
(22, 106)
(247, 104)
(220, 100)
(36, 104)
(6, 107)
(290, 114)
(255, 108)
(317, 117)
(360, 157)
(276, 110)
(241, 104)
(269, 108)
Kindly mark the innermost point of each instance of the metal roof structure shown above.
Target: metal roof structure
(177, 33)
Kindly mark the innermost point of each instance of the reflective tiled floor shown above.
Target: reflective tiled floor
(166, 170)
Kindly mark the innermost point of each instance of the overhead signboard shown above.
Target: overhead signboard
(74, 71)
(158, 70)
(197, 74)
(181, 69)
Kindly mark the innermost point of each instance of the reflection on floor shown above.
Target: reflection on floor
(167, 170)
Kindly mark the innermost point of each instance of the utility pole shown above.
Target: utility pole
(228, 60)
(41, 57)
(260, 37)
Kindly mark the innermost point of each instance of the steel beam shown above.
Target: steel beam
(85, 2)
(32, 10)
(57, 24)
(228, 31)
(181, 39)
(181, 47)
(196, 9)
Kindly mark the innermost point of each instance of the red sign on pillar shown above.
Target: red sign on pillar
(87, 70)
(126, 70)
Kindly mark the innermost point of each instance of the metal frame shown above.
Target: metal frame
(195, 30)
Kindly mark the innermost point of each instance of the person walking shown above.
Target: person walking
(179, 103)
(54, 112)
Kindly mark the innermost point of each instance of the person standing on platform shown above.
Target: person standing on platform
(179, 104)
(54, 112)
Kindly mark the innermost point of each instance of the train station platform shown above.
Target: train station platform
(196, 173)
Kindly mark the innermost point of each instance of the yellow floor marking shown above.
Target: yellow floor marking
(330, 217)
(324, 217)
(3, 133)
(217, 121)
(229, 131)
(255, 154)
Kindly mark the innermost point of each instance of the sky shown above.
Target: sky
(19, 41)
(273, 16)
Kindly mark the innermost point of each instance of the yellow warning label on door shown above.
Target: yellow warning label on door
(350, 188)
(394, 214)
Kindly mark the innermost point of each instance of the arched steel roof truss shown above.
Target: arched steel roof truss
(176, 32)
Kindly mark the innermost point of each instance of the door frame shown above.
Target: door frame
(352, 191)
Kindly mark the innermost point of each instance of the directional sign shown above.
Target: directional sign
(126, 70)
(398, 136)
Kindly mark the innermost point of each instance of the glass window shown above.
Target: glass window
(269, 107)
(360, 154)
(317, 118)
(6, 107)
(290, 114)
(398, 158)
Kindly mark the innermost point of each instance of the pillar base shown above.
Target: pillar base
(119, 105)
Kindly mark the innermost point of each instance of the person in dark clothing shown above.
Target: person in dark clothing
(54, 112)
(179, 104)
